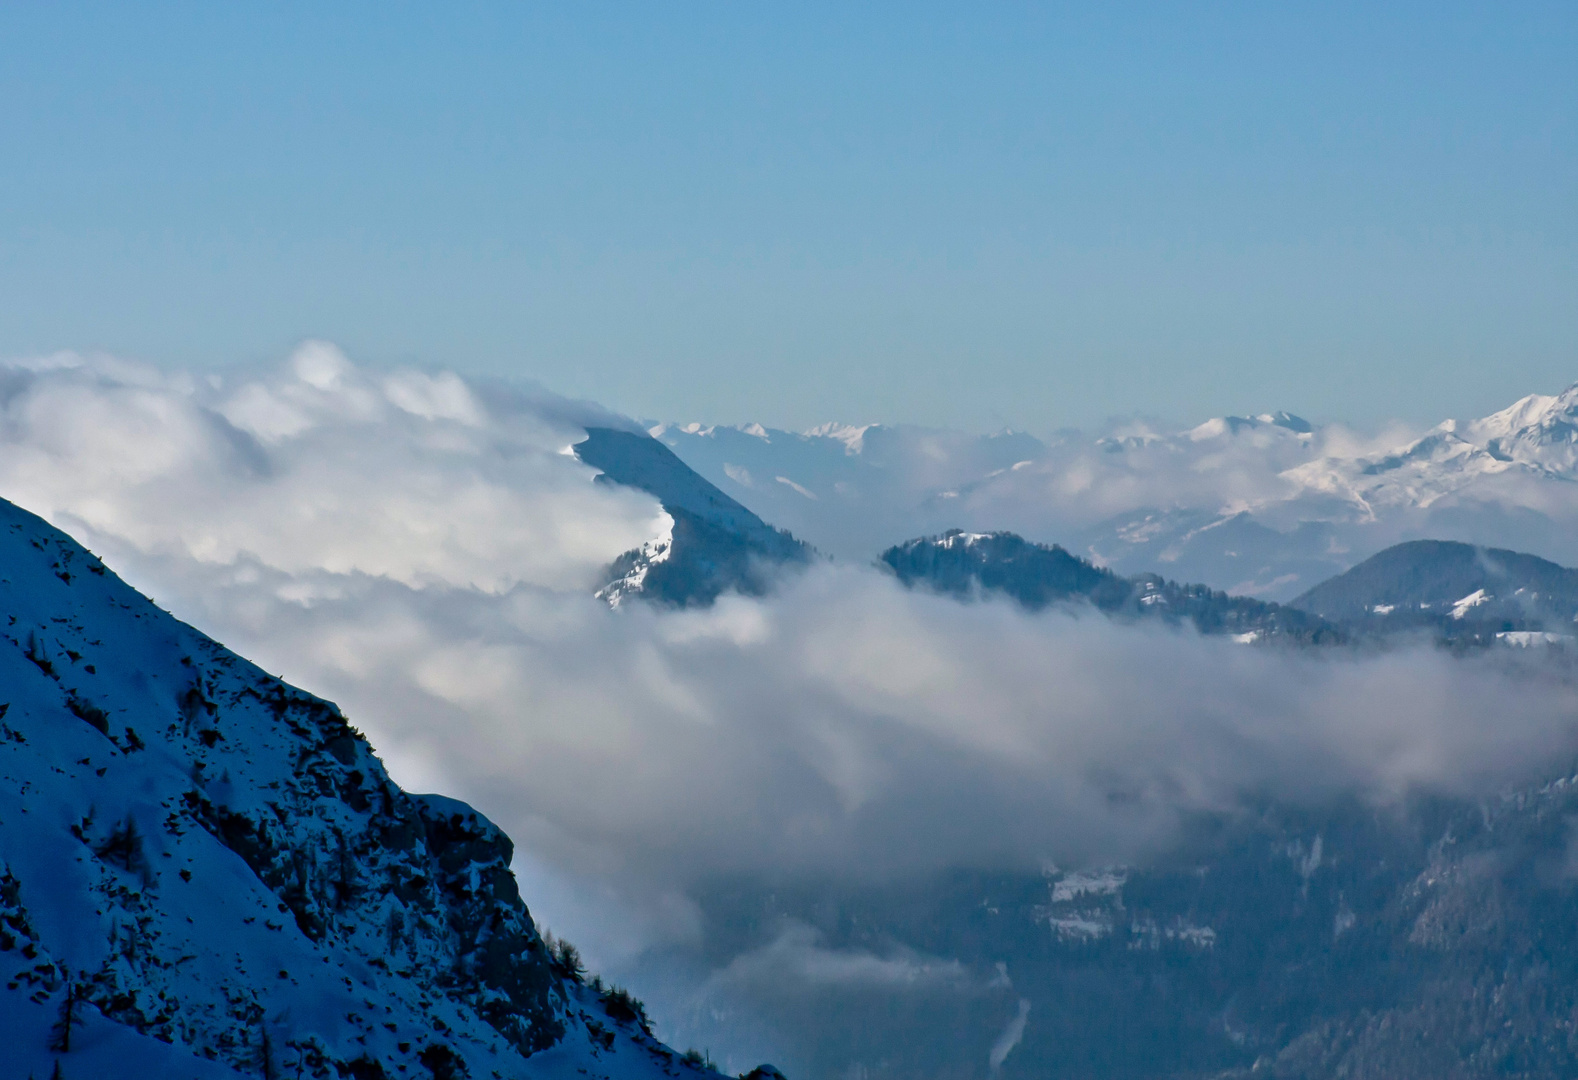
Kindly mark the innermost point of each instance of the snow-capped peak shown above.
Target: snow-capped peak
(1538, 430)
(852, 436)
(1536, 413)
(1220, 426)
(1535, 436)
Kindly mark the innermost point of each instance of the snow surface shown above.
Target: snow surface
(219, 868)
(1526, 638)
(851, 435)
(650, 554)
(1081, 883)
(962, 539)
(1461, 608)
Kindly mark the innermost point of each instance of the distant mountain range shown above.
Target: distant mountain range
(1456, 592)
(1266, 506)
(1453, 593)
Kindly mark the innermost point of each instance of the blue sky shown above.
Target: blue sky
(967, 215)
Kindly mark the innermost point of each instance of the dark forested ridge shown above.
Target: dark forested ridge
(1037, 575)
(1435, 939)
(1451, 589)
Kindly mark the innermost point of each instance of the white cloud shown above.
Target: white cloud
(1010, 1038)
(798, 957)
(846, 725)
(420, 549)
(422, 552)
(317, 469)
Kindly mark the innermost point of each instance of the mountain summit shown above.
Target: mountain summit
(1537, 430)
(1451, 586)
(714, 543)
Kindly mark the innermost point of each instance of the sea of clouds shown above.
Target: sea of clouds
(422, 549)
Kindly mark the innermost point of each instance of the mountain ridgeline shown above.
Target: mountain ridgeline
(207, 873)
(968, 565)
(715, 544)
(1452, 590)
(1267, 505)
(1458, 594)
(1454, 594)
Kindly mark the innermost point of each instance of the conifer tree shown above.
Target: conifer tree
(61, 1032)
(267, 1054)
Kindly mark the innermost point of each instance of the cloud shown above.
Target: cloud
(847, 726)
(1218, 467)
(1012, 1034)
(420, 548)
(316, 469)
(894, 483)
(797, 957)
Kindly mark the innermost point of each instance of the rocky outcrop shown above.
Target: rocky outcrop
(207, 872)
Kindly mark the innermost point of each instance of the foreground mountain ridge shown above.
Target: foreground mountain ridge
(205, 872)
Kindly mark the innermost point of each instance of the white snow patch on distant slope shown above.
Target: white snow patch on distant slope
(1526, 638)
(1461, 608)
(1080, 883)
(652, 553)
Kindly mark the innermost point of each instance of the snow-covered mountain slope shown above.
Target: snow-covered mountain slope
(713, 544)
(207, 873)
(1534, 439)
(1266, 505)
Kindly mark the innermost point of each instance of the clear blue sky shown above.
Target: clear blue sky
(966, 214)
